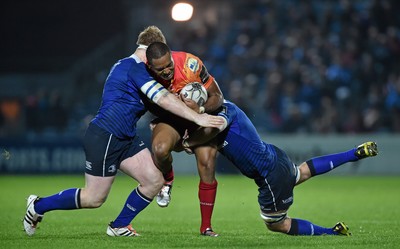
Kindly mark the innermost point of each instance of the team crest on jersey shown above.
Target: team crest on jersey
(192, 64)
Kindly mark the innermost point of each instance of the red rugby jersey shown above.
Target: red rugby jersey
(188, 69)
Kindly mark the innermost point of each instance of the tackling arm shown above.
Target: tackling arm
(201, 136)
(159, 95)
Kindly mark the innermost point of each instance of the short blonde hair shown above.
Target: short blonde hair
(149, 35)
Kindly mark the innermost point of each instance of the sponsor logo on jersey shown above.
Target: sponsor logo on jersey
(88, 165)
(192, 64)
(112, 168)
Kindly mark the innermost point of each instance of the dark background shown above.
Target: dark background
(46, 36)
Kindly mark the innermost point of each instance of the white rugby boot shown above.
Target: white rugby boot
(31, 218)
(164, 196)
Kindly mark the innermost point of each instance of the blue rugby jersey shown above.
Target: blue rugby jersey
(242, 145)
(121, 106)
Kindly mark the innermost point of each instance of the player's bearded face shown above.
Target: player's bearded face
(163, 67)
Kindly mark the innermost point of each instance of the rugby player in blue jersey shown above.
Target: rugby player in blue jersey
(272, 170)
(111, 143)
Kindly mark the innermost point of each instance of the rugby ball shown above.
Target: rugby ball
(196, 92)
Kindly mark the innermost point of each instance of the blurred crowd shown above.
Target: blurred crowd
(307, 66)
(293, 66)
(41, 112)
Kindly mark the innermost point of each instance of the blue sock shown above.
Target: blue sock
(135, 203)
(304, 227)
(323, 164)
(65, 200)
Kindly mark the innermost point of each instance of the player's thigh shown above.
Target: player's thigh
(164, 137)
(276, 189)
(142, 168)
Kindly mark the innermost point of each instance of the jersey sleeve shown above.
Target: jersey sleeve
(196, 71)
(142, 80)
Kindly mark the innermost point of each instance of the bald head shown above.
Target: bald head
(156, 50)
(159, 60)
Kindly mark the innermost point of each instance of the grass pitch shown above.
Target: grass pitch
(369, 205)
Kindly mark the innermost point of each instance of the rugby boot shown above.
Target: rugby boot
(341, 229)
(209, 232)
(31, 218)
(367, 149)
(164, 196)
(127, 231)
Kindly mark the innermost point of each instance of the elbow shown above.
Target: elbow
(221, 99)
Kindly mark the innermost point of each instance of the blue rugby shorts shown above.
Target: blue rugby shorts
(105, 152)
(276, 190)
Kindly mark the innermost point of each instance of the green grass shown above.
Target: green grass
(369, 205)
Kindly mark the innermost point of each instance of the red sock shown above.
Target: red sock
(169, 176)
(207, 193)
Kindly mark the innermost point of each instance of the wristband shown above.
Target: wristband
(202, 109)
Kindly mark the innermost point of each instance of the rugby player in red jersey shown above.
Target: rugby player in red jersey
(174, 70)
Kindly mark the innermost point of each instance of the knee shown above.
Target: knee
(205, 161)
(282, 226)
(304, 172)
(161, 150)
(91, 200)
(150, 187)
(96, 204)
(205, 164)
(156, 182)
(277, 227)
(153, 179)
(206, 172)
(278, 222)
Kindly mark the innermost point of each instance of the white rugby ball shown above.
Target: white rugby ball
(196, 92)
